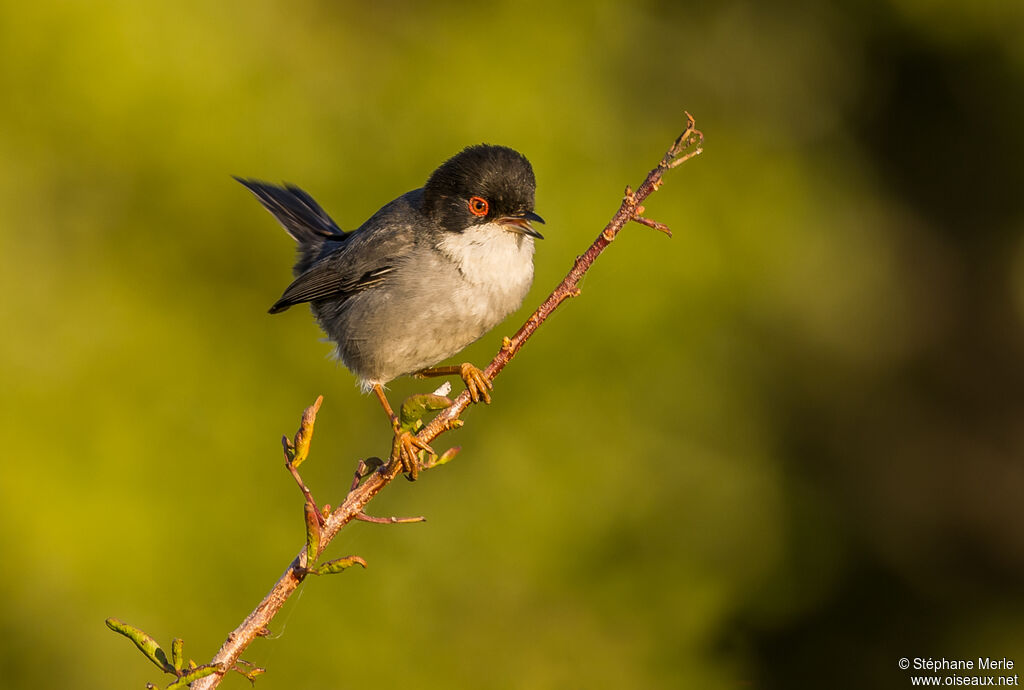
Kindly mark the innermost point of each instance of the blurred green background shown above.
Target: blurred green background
(780, 450)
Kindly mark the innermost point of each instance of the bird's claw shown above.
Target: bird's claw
(477, 383)
(406, 449)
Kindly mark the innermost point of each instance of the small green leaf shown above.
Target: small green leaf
(146, 644)
(177, 646)
(192, 677)
(415, 406)
(337, 565)
(448, 455)
(312, 533)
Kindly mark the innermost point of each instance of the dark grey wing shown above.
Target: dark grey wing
(296, 211)
(364, 259)
(325, 280)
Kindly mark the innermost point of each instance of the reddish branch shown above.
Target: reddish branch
(686, 146)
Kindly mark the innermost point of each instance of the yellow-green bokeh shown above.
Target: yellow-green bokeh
(785, 441)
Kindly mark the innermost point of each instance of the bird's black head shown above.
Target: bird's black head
(483, 184)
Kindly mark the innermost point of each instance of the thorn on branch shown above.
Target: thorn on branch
(388, 520)
(565, 294)
(660, 227)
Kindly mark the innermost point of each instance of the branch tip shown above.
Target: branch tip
(299, 449)
(690, 137)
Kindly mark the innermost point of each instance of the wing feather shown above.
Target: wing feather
(323, 281)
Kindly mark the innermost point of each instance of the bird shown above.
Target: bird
(426, 275)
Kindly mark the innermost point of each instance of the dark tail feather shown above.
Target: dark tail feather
(296, 211)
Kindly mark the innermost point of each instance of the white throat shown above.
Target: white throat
(492, 256)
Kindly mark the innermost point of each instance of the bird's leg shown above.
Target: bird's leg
(406, 446)
(477, 382)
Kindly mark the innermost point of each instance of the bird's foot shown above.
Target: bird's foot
(406, 447)
(406, 450)
(477, 382)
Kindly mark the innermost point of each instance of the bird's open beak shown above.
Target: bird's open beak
(521, 224)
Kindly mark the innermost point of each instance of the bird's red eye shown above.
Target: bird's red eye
(478, 206)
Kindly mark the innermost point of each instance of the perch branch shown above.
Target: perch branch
(686, 146)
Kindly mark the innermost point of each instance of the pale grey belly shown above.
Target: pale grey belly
(409, 324)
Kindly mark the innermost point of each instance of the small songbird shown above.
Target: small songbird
(425, 276)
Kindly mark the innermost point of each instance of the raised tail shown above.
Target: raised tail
(296, 211)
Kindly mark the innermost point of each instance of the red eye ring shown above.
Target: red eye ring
(478, 206)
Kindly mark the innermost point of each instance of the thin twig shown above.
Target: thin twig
(686, 146)
(661, 227)
(389, 520)
(307, 494)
